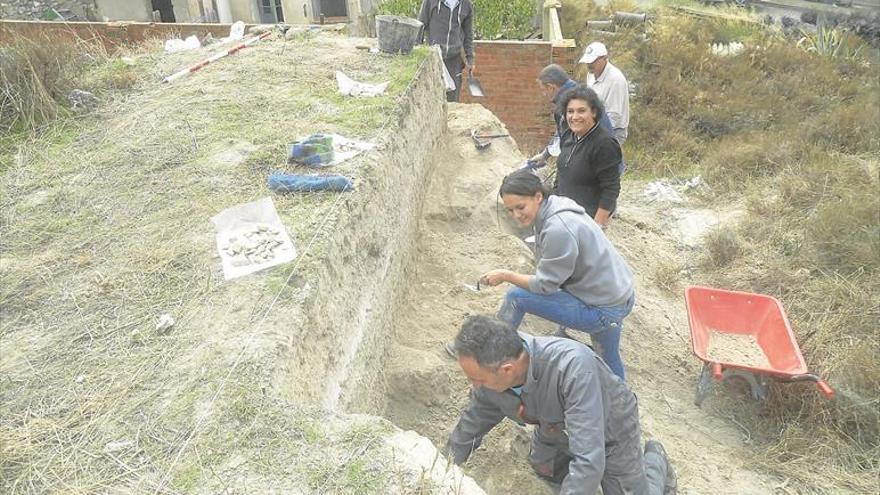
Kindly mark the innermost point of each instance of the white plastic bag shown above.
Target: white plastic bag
(350, 87)
(236, 32)
(448, 81)
(178, 45)
(554, 147)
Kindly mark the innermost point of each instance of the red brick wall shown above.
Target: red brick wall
(508, 71)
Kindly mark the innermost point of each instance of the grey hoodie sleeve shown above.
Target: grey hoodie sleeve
(425, 18)
(467, 31)
(585, 424)
(559, 253)
(478, 418)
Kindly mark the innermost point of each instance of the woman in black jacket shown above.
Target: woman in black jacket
(588, 168)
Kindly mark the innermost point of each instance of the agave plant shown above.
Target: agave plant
(830, 41)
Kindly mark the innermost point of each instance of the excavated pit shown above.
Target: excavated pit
(461, 235)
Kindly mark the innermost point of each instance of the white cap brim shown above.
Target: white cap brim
(588, 59)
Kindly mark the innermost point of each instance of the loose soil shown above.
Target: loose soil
(736, 348)
(463, 234)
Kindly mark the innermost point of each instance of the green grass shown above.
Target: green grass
(492, 20)
(360, 477)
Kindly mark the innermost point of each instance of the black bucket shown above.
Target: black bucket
(396, 33)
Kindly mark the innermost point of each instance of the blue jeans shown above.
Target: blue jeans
(604, 324)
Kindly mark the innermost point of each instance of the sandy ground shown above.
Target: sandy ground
(461, 237)
(736, 348)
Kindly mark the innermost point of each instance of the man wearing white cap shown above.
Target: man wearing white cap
(611, 86)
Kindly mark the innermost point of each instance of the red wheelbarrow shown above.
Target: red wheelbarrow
(742, 317)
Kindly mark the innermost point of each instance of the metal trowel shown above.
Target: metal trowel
(472, 288)
(474, 86)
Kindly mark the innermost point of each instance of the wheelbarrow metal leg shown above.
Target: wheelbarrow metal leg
(710, 373)
(704, 385)
(757, 383)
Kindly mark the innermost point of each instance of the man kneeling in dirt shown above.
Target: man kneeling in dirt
(587, 420)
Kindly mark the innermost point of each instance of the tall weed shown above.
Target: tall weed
(38, 74)
(35, 76)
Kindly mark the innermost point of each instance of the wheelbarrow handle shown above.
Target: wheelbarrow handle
(823, 387)
(826, 390)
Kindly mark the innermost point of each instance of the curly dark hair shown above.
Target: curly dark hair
(489, 341)
(581, 92)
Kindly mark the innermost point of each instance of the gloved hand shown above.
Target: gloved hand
(532, 164)
(536, 161)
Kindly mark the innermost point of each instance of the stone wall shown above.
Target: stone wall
(93, 10)
(37, 9)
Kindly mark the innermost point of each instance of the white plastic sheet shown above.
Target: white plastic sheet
(669, 192)
(662, 191)
(236, 32)
(236, 221)
(727, 49)
(178, 45)
(448, 81)
(350, 87)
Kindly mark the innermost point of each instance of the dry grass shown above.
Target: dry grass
(722, 247)
(37, 75)
(798, 136)
(105, 222)
(667, 275)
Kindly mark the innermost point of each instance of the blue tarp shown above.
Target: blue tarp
(279, 182)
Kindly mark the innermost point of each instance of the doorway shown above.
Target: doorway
(165, 8)
(271, 11)
(330, 8)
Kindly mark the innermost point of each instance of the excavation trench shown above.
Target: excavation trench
(460, 236)
(461, 233)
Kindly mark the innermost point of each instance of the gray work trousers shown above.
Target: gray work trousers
(455, 66)
(627, 470)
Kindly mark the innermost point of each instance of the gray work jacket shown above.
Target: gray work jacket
(578, 404)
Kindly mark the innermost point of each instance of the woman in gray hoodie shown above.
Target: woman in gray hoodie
(580, 281)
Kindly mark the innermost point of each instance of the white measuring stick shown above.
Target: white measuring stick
(213, 58)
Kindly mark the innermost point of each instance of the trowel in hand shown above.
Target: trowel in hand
(472, 288)
(474, 86)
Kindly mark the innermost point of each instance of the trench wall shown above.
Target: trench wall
(363, 267)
